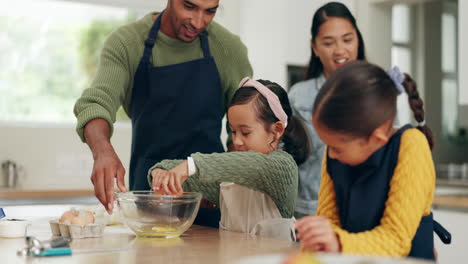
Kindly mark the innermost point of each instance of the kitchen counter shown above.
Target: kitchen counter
(451, 197)
(28, 194)
(197, 245)
(452, 202)
(452, 182)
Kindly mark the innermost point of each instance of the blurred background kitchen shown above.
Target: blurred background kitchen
(49, 51)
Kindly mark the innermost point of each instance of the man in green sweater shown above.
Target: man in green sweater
(174, 73)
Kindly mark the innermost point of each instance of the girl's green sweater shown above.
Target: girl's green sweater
(274, 174)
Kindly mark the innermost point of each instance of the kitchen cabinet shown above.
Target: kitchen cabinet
(11, 197)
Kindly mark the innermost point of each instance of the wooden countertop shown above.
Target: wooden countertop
(451, 196)
(198, 245)
(452, 182)
(457, 202)
(28, 194)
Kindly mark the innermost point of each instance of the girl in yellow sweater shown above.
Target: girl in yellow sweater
(377, 182)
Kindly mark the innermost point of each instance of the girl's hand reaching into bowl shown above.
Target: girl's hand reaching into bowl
(170, 182)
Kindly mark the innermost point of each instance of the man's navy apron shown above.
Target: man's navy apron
(176, 110)
(362, 190)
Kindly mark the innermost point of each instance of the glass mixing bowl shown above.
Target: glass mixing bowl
(164, 216)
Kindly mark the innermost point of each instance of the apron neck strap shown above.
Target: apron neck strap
(153, 33)
(204, 44)
(151, 40)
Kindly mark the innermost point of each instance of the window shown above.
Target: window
(48, 55)
(449, 70)
(402, 45)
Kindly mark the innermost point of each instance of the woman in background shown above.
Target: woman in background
(336, 40)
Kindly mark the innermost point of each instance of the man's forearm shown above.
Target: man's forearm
(97, 134)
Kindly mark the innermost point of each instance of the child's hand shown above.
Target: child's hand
(316, 234)
(170, 182)
(161, 181)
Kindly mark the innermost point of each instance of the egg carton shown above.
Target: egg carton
(76, 231)
(102, 217)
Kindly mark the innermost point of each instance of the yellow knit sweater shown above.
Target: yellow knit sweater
(409, 199)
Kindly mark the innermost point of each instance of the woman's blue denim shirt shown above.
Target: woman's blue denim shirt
(302, 96)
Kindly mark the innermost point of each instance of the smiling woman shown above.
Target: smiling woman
(47, 55)
(336, 40)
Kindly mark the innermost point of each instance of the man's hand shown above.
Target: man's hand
(107, 164)
(316, 234)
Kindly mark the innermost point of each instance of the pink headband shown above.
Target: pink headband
(272, 98)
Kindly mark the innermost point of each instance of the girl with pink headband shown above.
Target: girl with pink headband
(269, 143)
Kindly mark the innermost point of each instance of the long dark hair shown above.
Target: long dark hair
(295, 137)
(359, 97)
(327, 11)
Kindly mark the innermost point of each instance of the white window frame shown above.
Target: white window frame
(450, 8)
(407, 115)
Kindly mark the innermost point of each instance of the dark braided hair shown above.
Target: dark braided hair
(295, 137)
(416, 105)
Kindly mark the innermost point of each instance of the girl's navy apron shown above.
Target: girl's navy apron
(361, 193)
(176, 110)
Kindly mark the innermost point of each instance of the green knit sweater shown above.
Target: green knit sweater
(122, 51)
(274, 174)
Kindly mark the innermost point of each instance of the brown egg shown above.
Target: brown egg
(78, 221)
(68, 216)
(89, 217)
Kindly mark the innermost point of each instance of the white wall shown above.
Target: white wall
(263, 31)
(374, 21)
(228, 15)
(52, 156)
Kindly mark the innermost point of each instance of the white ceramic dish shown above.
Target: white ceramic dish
(13, 228)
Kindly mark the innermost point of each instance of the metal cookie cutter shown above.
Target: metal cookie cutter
(35, 247)
(57, 247)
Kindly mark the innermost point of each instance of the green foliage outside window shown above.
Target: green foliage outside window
(91, 41)
(47, 62)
